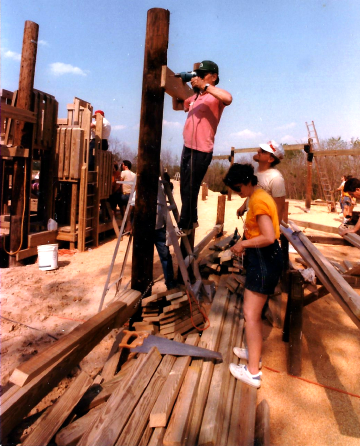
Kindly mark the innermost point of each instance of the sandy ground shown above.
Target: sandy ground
(41, 306)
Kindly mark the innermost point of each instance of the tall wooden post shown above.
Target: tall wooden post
(148, 168)
(231, 159)
(23, 136)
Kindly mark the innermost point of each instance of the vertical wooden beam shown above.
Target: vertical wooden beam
(148, 169)
(220, 215)
(203, 191)
(295, 333)
(231, 159)
(23, 136)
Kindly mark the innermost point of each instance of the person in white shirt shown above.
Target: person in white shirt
(269, 178)
(126, 175)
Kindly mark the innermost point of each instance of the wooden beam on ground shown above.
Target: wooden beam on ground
(317, 226)
(242, 426)
(211, 425)
(138, 421)
(354, 239)
(326, 240)
(27, 371)
(237, 341)
(333, 288)
(176, 430)
(262, 424)
(71, 434)
(157, 437)
(210, 339)
(55, 415)
(112, 361)
(108, 426)
(161, 411)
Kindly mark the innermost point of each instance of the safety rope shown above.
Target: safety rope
(200, 310)
(22, 221)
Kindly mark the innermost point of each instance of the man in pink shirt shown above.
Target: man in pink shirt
(204, 109)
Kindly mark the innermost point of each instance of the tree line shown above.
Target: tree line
(293, 166)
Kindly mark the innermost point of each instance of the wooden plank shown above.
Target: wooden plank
(242, 426)
(210, 339)
(67, 154)
(77, 144)
(175, 295)
(71, 434)
(108, 426)
(112, 361)
(228, 403)
(27, 371)
(26, 253)
(347, 152)
(41, 238)
(324, 279)
(174, 86)
(182, 326)
(14, 151)
(176, 430)
(138, 421)
(262, 424)
(157, 437)
(317, 226)
(355, 271)
(161, 411)
(353, 238)
(350, 297)
(19, 114)
(25, 398)
(55, 416)
(211, 425)
(61, 151)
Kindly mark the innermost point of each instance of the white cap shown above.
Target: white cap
(274, 148)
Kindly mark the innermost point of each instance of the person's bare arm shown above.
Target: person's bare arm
(355, 229)
(266, 237)
(223, 95)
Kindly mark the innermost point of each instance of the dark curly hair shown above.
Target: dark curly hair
(240, 174)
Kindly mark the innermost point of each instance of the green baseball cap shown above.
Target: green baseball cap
(209, 66)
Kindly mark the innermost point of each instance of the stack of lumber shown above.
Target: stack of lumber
(330, 278)
(220, 263)
(170, 313)
(159, 399)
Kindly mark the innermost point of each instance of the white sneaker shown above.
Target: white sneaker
(242, 373)
(242, 353)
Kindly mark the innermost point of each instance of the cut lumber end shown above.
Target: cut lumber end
(19, 378)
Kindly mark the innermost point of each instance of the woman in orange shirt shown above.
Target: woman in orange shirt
(263, 264)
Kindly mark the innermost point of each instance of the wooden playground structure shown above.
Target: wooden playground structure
(32, 133)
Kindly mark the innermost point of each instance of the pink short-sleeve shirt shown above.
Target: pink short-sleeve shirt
(201, 124)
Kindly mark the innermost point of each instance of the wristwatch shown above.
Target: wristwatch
(206, 86)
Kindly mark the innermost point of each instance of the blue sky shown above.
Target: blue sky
(284, 61)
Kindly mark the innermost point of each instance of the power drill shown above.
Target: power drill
(186, 76)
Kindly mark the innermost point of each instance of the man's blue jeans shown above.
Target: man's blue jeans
(165, 257)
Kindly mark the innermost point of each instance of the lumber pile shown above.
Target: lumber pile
(154, 399)
(169, 313)
(330, 277)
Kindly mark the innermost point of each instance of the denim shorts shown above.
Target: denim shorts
(263, 268)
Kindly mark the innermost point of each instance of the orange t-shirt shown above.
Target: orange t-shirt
(260, 203)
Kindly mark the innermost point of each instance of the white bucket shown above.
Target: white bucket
(48, 257)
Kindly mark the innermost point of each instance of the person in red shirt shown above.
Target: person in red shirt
(204, 110)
